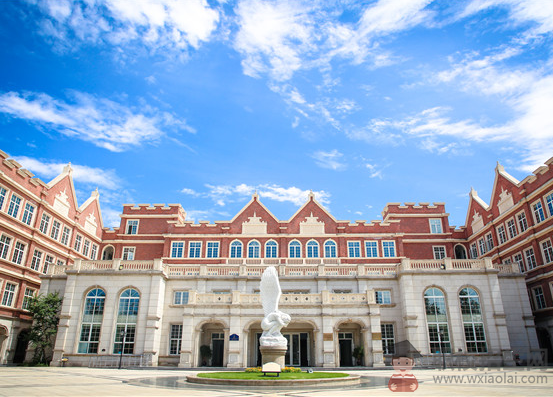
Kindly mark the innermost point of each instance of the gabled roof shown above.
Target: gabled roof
(501, 174)
(311, 199)
(94, 198)
(66, 173)
(254, 199)
(474, 199)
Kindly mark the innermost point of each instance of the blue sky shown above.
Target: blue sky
(204, 102)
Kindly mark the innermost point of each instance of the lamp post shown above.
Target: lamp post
(123, 335)
(441, 336)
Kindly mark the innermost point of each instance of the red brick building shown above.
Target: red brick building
(41, 225)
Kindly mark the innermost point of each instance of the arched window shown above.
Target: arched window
(127, 316)
(236, 249)
(254, 249)
(312, 249)
(294, 249)
(271, 249)
(436, 319)
(330, 249)
(92, 321)
(473, 323)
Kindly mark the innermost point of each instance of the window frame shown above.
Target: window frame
(385, 296)
(28, 215)
(195, 249)
(212, 249)
(21, 252)
(312, 249)
(538, 211)
(330, 246)
(128, 250)
(369, 251)
(17, 206)
(548, 200)
(45, 223)
(78, 242)
(273, 247)
(254, 249)
(511, 227)
(294, 249)
(65, 235)
(539, 303)
(175, 339)
(439, 247)
(9, 295)
(388, 343)
(530, 264)
(522, 221)
(131, 229)
(489, 242)
(354, 249)
(181, 297)
(5, 247)
(393, 247)
(3, 194)
(36, 260)
(472, 320)
(175, 249)
(236, 249)
(439, 325)
(436, 225)
(546, 252)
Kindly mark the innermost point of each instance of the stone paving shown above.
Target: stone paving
(73, 381)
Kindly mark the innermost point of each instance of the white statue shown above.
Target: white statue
(274, 319)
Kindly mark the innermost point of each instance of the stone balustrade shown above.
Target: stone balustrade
(255, 268)
(290, 299)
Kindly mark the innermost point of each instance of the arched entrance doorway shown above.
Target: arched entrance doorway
(21, 347)
(107, 253)
(212, 334)
(460, 252)
(349, 336)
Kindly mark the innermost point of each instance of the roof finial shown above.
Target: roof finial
(311, 195)
(68, 169)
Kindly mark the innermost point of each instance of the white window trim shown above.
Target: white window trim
(183, 249)
(534, 212)
(129, 248)
(10, 247)
(265, 248)
(14, 296)
(218, 243)
(535, 298)
(360, 249)
(19, 212)
(259, 248)
(395, 248)
(445, 251)
(5, 198)
(335, 248)
(290, 251)
(547, 212)
(383, 290)
(367, 251)
(25, 252)
(190, 249)
(543, 252)
(318, 249)
(441, 225)
(517, 231)
(32, 215)
(127, 226)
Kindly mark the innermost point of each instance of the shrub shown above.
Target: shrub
(253, 369)
(291, 369)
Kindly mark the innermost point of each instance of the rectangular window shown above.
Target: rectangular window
(177, 249)
(388, 340)
(473, 251)
(55, 229)
(44, 223)
(549, 203)
(48, 261)
(18, 251)
(15, 203)
(539, 299)
(128, 253)
(522, 223)
(3, 193)
(60, 262)
(530, 258)
(354, 249)
(29, 293)
(9, 293)
(482, 246)
(435, 226)
(501, 234)
(86, 247)
(28, 214)
(371, 249)
(539, 215)
(511, 228)
(383, 297)
(489, 241)
(35, 262)
(175, 339)
(132, 226)
(213, 249)
(78, 242)
(180, 298)
(389, 249)
(65, 236)
(194, 249)
(439, 252)
(94, 252)
(518, 259)
(4, 246)
(547, 251)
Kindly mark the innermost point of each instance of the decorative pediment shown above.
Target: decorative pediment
(312, 226)
(61, 203)
(477, 222)
(90, 224)
(505, 201)
(254, 225)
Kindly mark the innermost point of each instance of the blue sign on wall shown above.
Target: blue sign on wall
(234, 337)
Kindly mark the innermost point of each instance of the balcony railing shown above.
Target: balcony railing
(251, 268)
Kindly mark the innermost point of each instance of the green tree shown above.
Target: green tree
(45, 310)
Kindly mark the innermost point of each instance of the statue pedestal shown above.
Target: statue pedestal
(274, 354)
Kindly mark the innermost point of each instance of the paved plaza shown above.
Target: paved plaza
(27, 381)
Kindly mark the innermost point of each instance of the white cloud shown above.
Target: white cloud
(157, 25)
(83, 174)
(190, 192)
(103, 122)
(330, 160)
(224, 194)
